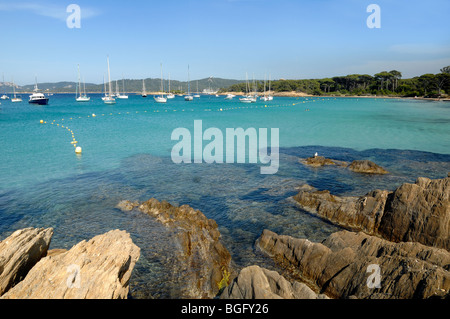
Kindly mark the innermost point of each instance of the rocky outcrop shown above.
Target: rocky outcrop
(366, 167)
(254, 282)
(413, 212)
(317, 161)
(20, 252)
(358, 166)
(357, 265)
(202, 258)
(96, 269)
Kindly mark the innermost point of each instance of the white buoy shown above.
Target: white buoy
(78, 150)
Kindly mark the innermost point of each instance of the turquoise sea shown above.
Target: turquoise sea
(126, 155)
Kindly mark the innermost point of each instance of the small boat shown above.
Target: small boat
(161, 98)
(229, 96)
(15, 99)
(264, 98)
(109, 99)
(38, 97)
(197, 95)
(170, 95)
(144, 93)
(84, 97)
(246, 99)
(189, 97)
(4, 96)
(269, 97)
(122, 96)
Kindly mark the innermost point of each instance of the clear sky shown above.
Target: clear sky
(293, 39)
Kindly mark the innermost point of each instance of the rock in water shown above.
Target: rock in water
(419, 212)
(254, 282)
(317, 161)
(357, 265)
(97, 269)
(203, 260)
(367, 167)
(20, 252)
(413, 212)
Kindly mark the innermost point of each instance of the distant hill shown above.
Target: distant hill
(131, 85)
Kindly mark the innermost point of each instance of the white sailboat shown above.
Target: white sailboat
(264, 98)
(188, 97)
(170, 95)
(104, 89)
(269, 97)
(84, 97)
(15, 99)
(246, 98)
(122, 96)
(161, 98)
(4, 96)
(229, 96)
(197, 95)
(109, 99)
(144, 93)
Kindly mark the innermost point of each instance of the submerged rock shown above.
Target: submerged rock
(357, 265)
(202, 259)
(254, 282)
(413, 212)
(97, 269)
(20, 252)
(366, 167)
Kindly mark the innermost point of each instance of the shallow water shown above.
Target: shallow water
(127, 156)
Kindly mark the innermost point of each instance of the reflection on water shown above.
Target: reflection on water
(237, 196)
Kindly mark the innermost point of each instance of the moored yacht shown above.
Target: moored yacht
(188, 97)
(38, 97)
(15, 99)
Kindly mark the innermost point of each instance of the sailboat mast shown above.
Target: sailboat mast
(79, 82)
(109, 79)
(189, 83)
(14, 88)
(161, 81)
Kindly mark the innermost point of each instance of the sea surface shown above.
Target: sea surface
(126, 154)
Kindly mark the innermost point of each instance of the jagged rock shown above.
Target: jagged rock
(317, 161)
(340, 266)
(419, 212)
(96, 269)
(359, 166)
(413, 212)
(20, 252)
(202, 258)
(367, 167)
(254, 282)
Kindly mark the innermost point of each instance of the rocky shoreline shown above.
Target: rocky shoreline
(395, 245)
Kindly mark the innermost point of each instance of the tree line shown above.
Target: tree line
(382, 83)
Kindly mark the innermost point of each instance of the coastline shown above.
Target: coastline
(282, 94)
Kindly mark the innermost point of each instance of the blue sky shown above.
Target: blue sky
(292, 39)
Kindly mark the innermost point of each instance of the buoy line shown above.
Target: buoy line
(74, 142)
(78, 149)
